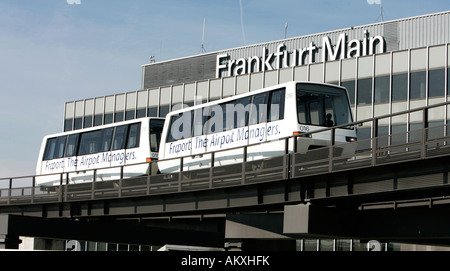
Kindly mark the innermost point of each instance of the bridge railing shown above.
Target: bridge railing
(427, 137)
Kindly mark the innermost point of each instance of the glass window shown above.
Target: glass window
(90, 142)
(180, 126)
(314, 113)
(98, 120)
(364, 91)
(130, 107)
(276, 105)
(399, 87)
(322, 105)
(134, 135)
(69, 116)
(436, 83)
(170, 135)
(140, 113)
(106, 139)
(108, 118)
(156, 127)
(258, 112)
(398, 134)
(301, 112)
(363, 133)
(72, 144)
(153, 101)
(227, 115)
(142, 98)
(163, 111)
(130, 114)
(242, 112)
(55, 148)
(448, 81)
(382, 87)
(199, 120)
(164, 104)
(95, 141)
(68, 125)
(350, 86)
(88, 113)
(189, 94)
(79, 111)
(120, 137)
(214, 122)
(236, 113)
(109, 109)
(87, 121)
(99, 111)
(78, 123)
(418, 83)
(152, 112)
(119, 111)
(118, 116)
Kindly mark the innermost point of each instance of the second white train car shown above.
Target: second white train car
(260, 117)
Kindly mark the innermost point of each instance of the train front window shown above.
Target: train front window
(322, 105)
(156, 127)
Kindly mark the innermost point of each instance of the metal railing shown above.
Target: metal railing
(421, 142)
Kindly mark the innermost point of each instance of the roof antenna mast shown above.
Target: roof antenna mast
(381, 10)
(202, 50)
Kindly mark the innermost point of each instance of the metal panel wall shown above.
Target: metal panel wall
(196, 75)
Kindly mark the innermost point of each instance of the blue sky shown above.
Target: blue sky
(54, 51)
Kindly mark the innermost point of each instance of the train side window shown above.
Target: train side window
(214, 119)
(134, 135)
(90, 142)
(180, 126)
(199, 120)
(55, 148)
(120, 135)
(107, 139)
(276, 110)
(241, 112)
(258, 112)
(72, 145)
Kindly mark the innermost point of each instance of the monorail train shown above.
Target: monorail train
(107, 146)
(260, 117)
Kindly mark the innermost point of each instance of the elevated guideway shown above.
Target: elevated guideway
(320, 193)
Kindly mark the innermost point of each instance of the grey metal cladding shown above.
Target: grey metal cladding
(391, 36)
(179, 71)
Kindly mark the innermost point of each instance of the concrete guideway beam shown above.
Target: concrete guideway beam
(417, 223)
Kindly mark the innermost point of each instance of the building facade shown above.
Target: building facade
(386, 67)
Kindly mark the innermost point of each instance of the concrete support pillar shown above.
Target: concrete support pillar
(7, 240)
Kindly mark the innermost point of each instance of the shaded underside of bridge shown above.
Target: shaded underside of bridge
(406, 201)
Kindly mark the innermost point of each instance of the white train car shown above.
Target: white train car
(260, 117)
(108, 146)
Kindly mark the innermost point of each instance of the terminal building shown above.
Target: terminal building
(387, 67)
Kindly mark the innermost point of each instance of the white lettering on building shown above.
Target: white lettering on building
(284, 58)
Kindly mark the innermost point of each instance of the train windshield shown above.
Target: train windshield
(156, 127)
(322, 105)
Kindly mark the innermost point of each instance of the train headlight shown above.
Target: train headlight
(351, 139)
(302, 134)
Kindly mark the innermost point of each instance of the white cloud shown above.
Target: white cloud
(371, 2)
(71, 2)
